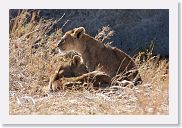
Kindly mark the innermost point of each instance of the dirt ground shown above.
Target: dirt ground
(33, 57)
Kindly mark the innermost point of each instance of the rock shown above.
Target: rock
(134, 29)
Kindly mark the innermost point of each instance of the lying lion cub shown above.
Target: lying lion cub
(75, 71)
(96, 55)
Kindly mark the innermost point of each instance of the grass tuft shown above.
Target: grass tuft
(33, 57)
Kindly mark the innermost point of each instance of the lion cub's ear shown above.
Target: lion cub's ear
(78, 32)
(77, 60)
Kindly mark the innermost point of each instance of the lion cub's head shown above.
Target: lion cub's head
(71, 39)
(73, 68)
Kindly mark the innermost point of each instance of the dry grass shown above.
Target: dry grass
(33, 58)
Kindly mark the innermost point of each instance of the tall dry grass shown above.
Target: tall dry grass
(33, 58)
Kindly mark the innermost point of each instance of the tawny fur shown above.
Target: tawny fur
(96, 79)
(96, 54)
(72, 68)
(75, 71)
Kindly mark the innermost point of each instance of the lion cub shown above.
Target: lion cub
(72, 68)
(96, 54)
(75, 71)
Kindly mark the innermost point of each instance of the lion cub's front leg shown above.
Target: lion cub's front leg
(53, 80)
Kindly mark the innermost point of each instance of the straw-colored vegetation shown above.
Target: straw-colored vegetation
(33, 57)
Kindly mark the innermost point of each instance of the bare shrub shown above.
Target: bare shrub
(33, 57)
(32, 53)
(104, 33)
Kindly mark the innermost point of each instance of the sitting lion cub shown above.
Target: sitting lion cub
(75, 71)
(96, 54)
